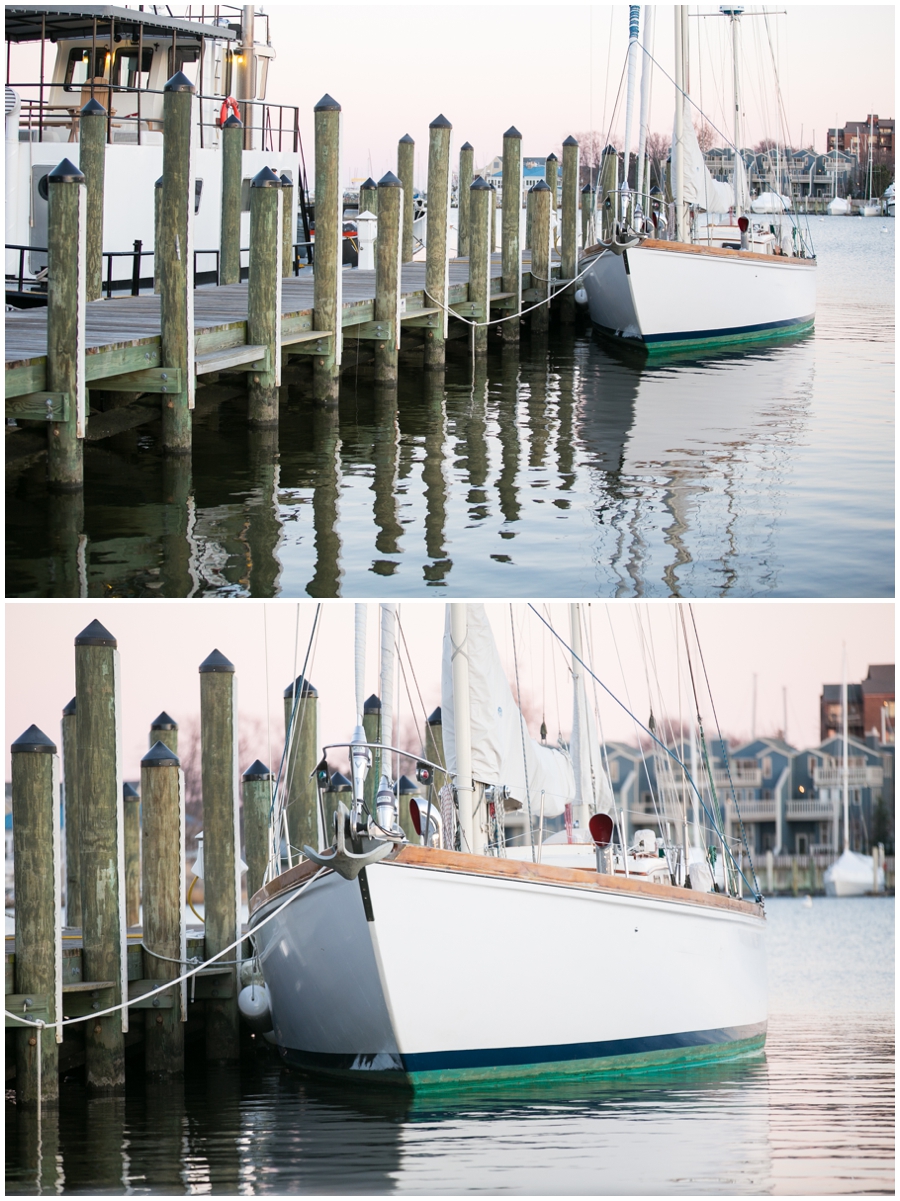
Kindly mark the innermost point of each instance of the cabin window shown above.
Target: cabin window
(78, 70)
(198, 191)
(186, 60)
(125, 69)
(263, 77)
(245, 195)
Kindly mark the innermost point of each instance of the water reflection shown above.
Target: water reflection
(559, 468)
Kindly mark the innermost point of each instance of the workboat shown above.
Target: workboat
(59, 59)
(707, 280)
(443, 959)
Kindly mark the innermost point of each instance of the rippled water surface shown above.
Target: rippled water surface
(813, 1114)
(558, 470)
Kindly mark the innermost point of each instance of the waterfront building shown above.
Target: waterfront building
(870, 706)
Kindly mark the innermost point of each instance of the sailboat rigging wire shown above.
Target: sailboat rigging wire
(412, 668)
(662, 745)
(512, 626)
(725, 756)
(636, 613)
(268, 723)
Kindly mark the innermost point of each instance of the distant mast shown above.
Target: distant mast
(845, 771)
(734, 12)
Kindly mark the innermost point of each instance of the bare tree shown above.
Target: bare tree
(706, 135)
(657, 153)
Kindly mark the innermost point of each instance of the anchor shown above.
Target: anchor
(346, 863)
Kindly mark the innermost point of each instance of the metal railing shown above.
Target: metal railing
(857, 777)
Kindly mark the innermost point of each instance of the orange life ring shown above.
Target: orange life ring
(229, 102)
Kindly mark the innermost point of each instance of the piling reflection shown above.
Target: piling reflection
(645, 478)
(33, 1144)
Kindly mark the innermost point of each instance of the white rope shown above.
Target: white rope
(521, 312)
(169, 983)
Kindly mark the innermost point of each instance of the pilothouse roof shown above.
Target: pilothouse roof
(37, 21)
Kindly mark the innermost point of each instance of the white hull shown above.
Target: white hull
(516, 972)
(665, 298)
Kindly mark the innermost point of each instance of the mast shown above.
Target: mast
(678, 148)
(388, 612)
(634, 13)
(470, 837)
(646, 80)
(735, 14)
(581, 809)
(845, 772)
(360, 755)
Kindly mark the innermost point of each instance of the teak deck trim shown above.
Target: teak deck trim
(537, 873)
(780, 260)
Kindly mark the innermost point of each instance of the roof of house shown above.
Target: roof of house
(880, 679)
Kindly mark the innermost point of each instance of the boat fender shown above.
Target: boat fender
(581, 296)
(229, 102)
(253, 1003)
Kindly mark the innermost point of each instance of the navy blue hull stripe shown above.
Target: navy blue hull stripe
(505, 1057)
(697, 335)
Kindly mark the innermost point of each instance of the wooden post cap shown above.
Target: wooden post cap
(233, 122)
(160, 755)
(407, 140)
(258, 771)
(265, 179)
(93, 108)
(551, 158)
(216, 662)
(164, 722)
(389, 180)
(179, 83)
(327, 105)
(65, 172)
(129, 793)
(512, 132)
(479, 185)
(286, 181)
(570, 141)
(70, 708)
(541, 186)
(95, 635)
(35, 742)
(370, 183)
(159, 182)
(435, 718)
(467, 146)
(372, 705)
(440, 122)
(303, 688)
(587, 188)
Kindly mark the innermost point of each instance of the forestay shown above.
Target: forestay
(700, 189)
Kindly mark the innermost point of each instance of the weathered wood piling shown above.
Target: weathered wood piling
(540, 253)
(131, 805)
(329, 237)
(511, 250)
(301, 703)
(264, 296)
(66, 266)
(221, 846)
(230, 221)
(436, 249)
(73, 814)
(164, 929)
(97, 692)
(479, 261)
(387, 278)
(92, 134)
(406, 159)
(466, 173)
(257, 782)
(569, 232)
(36, 834)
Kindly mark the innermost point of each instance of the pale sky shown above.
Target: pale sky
(796, 645)
(393, 68)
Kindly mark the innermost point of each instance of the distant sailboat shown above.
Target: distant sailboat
(870, 206)
(853, 875)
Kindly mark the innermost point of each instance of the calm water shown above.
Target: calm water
(814, 1114)
(557, 471)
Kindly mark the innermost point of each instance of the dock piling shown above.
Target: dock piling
(437, 262)
(221, 845)
(368, 197)
(372, 727)
(66, 266)
(529, 216)
(176, 251)
(552, 174)
(131, 803)
(587, 215)
(609, 184)
(391, 208)
(38, 975)
(164, 729)
(329, 248)
(480, 258)
(511, 224)
(288, 226)
(164, 931)
(568, 267)
(264, 295)
(406, 158)
(230, 228)
(257, 794)
(466, 172)
(302, 818)
(92, 161)
(104, 959)
(540, 253)
(73, 814)
(157, 253)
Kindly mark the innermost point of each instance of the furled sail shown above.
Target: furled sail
(700, 189)
(503, 752)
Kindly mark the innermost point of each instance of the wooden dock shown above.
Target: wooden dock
(123, 335)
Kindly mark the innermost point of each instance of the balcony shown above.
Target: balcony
(753, 811)
(857, 777)
(744, 777)
(809, 810)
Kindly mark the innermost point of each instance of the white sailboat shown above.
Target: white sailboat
(870, 207)
(853, 874)
(713, 284)
(435, 964)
